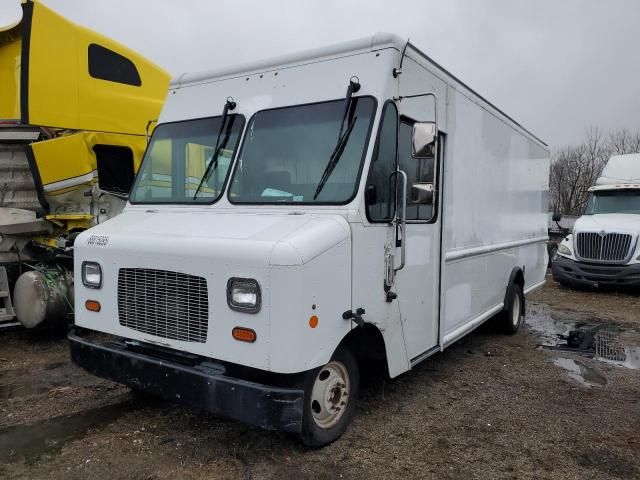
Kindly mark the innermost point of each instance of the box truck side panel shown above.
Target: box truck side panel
(496, 195)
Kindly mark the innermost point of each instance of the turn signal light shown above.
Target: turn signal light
(92, 305)
(244, 334)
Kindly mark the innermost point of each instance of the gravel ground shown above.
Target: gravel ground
(491, 406)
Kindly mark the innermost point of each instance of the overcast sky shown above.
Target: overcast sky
(557, 66)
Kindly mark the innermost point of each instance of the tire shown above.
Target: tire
(513, 312)
(338, 379)
(552, 253)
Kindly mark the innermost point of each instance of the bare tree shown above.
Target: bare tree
(576, 168)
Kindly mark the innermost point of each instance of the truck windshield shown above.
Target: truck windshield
(178, 156)
(286, 151)
(617, 201)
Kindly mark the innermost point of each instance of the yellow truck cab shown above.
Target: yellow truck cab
(75, 111)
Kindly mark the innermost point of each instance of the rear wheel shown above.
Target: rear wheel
(552, 254)
(330, 396)
(513, 310)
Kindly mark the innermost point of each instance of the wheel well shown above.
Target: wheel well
(367, 344)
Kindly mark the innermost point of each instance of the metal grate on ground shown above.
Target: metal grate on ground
(608, 346)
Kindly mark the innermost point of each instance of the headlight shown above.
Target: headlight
(243, 295)
(91, 275)
(564, 250)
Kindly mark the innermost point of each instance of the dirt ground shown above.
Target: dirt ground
(491, 406)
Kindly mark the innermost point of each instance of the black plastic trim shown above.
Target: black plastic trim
(198, 382)
(595, 274)
(361, 168)
(27, 18)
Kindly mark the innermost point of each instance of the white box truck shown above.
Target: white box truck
(296, 219)
(603, 249)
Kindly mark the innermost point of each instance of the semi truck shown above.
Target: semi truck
(603, 249)
(358, 206)
(75, 107)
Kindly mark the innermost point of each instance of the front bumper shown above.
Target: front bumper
(595, 274)
(203, 384)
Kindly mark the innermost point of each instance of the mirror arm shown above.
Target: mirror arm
(435, 107)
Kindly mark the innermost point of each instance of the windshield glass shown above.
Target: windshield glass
(286, 151)
(618, 201)
(178, 156)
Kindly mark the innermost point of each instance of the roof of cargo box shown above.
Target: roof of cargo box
(378, 41)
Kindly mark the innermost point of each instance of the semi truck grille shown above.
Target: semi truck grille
(164, 304)
(608, 247)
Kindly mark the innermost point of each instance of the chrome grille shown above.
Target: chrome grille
(164, 304)
(608, 247)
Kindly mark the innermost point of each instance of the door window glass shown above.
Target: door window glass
(381, 183)
(417, 170)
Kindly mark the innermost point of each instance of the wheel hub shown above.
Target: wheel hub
(330, 394)
(515, 310)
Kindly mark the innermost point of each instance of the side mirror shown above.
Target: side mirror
(556, 217)
(423, 143)
(422, 193)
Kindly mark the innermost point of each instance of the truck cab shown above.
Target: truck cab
(603, 248)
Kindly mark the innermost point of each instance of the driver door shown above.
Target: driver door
(417, 282)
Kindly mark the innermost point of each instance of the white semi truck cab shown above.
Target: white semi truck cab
(604, 247)
(296, 219)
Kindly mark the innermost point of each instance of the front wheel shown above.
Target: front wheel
(330, 396)
(513, 310)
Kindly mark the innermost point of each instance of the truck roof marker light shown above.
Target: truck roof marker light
(92, 305)
(244, 334)
(313, 321)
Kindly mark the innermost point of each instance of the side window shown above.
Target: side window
(115, 168)
(380, 190)
(105, 64)
(416, 170)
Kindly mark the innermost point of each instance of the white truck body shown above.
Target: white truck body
(487, 230)
(604, 247)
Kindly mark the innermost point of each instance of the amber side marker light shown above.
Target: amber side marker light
(244, 334)
(92, 305)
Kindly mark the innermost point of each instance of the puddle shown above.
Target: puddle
(30, 442)
(584, 335)
(580, 372)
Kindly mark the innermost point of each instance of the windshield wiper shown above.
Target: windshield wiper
(335, 157)
(229, 105)
(354, 86)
